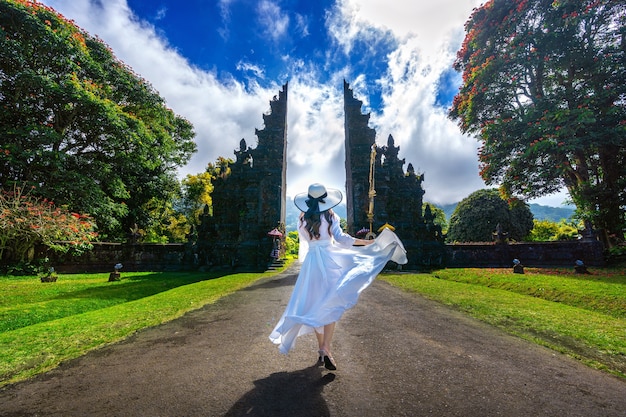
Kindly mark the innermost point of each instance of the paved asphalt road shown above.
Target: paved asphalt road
(397, 354)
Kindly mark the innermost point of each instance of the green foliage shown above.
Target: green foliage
(543, 231)
(197, 191)
(546, 231)
(178, 228)
(618, 250)
(189, 207)
(520, 219)
(79, 124)
(156, 220)
(292, 244)
(220, 169)
(476, 218)
(27, 221)
(439, 214)
(543, 88)
(24, 268)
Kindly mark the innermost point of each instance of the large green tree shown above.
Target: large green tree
(81, 125)
(476, 218)
(544, 89)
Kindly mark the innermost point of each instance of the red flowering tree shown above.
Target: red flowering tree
(544, 90)
(27, 221)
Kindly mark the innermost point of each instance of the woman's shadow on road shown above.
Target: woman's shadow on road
(297, 393)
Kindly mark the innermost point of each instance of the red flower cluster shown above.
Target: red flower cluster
(27, 221)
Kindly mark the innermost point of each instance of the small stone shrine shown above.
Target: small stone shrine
(248, 200)
(398, 194)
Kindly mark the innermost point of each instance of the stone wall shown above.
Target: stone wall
(175, 257)
(537, 254)
(133, 257)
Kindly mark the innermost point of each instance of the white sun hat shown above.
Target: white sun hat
(318, 199)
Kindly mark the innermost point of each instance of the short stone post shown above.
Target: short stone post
(115, 275)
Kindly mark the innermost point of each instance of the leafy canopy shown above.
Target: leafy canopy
(546, 230)
(477, 217)
(82, 126)
(544, 89)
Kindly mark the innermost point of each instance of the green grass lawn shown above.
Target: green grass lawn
(583, 316)
(43, 324)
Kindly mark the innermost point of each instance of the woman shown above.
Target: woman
(336, 267)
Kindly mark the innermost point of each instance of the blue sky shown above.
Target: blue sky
(265, 42)
(218, 63)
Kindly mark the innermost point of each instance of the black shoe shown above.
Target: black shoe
(329, 362)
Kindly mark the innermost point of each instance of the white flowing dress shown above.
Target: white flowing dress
(332, 276)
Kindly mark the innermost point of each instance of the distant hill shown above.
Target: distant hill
(554, 214)
(540, 212)
(448, 209)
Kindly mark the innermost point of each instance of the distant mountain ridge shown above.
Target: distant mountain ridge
(554, 214)
(540, 212)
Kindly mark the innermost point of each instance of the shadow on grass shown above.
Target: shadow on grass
(91, 297)
(135, 287)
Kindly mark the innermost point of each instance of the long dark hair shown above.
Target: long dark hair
(313, 221)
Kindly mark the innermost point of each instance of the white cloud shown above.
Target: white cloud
(431, 22)
(247, 67)
(224, 7)
(273, 21)
(302, 25)
(161, 13)
(427, 138)
(561, 198)
(346, 25)
(428, 35)
(223, 112)
(316, 139)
